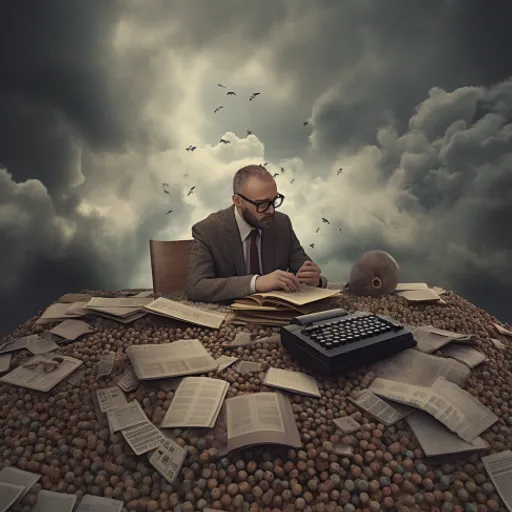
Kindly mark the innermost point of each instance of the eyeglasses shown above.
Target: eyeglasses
(49, 364)
(263, 206)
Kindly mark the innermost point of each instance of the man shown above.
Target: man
(248, 247)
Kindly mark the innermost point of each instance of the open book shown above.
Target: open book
(306, 295)
(181, 357)
(260, 418)
(196, 403)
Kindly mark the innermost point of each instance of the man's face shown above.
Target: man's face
(258, 190)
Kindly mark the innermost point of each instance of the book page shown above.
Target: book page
(105, 365)
(424, 295)
(41, 345)
(499, 469)
(110, 398)
(128, 382)
(119, 302)
(26, 479)
(53, 312)
(77, 309)
(50, 501)
(143, 437)
(5, 362)
(9, 494)
(37, 378)
(305, 295)
(253, 413)
(224, 362)
(435, 439)
(168, 459)
(71, 329)
(196, 403)
(244, 367)
(126, 416)
(464, 354)
(296, 382)
(18, 343)
(181, 357)
(186, 313)
(347, 424)
(92, 503)
(378, 408)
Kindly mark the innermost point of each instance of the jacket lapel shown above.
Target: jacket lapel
(267, 249)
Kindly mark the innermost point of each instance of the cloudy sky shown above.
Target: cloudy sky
(99, 98)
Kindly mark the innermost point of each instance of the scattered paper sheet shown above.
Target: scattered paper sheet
(17, 344)
(126, 416)
(247, 367)
(347, 424)
(54, 312)
(225, 362)
(429, 339)
(196, 403)
(110, 398)
(41, 346)
(439, 290)
(38, 378)
(10, 475)
(502, 330)
(118, 302)
(143, 437)
(414, 367)
(5, 362)
(305, 295)
(388, 415)
(50, 501)
(128, 382)
(144, 294)
(499, 469)
(420, 295)
(9, 494)
(498, 344)
(402, 287)
(92, 503)
(105, 365)
(275, 338)
(435, 439)
(71, 329)
(174, 309)
(77, 309)
(464, 354)
(296, 382)
(181, 357)
(168, 459)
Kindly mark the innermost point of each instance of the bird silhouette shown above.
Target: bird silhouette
(191, 190)
(305, 123)
(264, 164)
(191, 148)
(185, 175)
(339, 229)
(340, 170)
(230, 93)
(249, 132)
(318, 229)
(275, 175)
(170, 211)
(223, 86)
(166, 191)
(312, 246)
(325, 220)
(217, 109)
(282, 170)
(253, 95)
(224, 141)
(165, 184)
(293, 179)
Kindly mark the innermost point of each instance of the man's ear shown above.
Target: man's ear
(236, 200)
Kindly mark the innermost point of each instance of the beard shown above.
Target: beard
(264, 223)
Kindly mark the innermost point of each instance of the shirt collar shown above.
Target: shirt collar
(243, 227)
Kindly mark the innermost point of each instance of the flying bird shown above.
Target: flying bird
(318, 229)
(325, 220)
(275, 174)
(312, 246)
(165, 191)
(165, 184)
(191, 148)
(305, 123)
(282, 170)
(224, 141)
(185, 175)
(191, 190)
(223, 86)
(339, 229)
(253, 95)
(170, 211)
(293, 179)
(230, 93)
(217, 109)
(264, 164)
(249, 132)
(340, 170)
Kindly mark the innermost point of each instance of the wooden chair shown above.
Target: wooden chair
(169, 264)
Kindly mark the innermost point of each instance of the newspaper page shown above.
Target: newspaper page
(9, 494)
(225, 362)
(429, 339)
(388, 415)
(143, 437)
(71, 329)
(128, 381)
(17, 344)
(179, 358)
(464, 354)
(41, 346)
(32, 374)
(50, 501)
(105, 365)
(499, 469)
(5, 362)
(126, 416)
(248, 367)
(196, 403)
(297, 382)
(347, 424)
(414, 367)
(110, 398)
(179, 311)
(435, 439)
(253, 413)
(92, 503)
(10, 475)
(168, 459)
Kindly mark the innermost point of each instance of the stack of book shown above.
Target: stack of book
(279, 307)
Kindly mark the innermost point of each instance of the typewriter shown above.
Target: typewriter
(330, 342)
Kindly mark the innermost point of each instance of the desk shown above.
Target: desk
(386, 469)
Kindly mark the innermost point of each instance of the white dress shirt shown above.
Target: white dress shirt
(245, 230)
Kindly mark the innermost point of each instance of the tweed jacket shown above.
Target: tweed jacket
(217, 271)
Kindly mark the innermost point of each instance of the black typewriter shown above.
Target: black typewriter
(329, 342)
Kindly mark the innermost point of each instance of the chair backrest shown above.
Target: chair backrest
(169, 264)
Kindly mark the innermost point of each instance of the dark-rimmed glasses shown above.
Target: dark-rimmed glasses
(49, 364)
(263, 206)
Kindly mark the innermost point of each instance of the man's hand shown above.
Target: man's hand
(277, 280)
(309, 273)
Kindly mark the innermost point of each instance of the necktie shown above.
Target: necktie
(253, 255)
